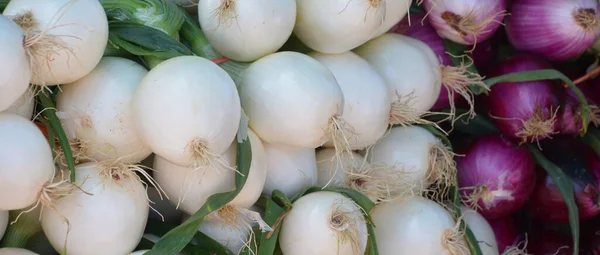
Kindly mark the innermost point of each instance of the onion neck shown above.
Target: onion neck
(586, 18)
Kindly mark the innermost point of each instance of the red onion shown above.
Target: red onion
(466, 22)
(455, 89)
(495, 176)
(506, 231)
(547, 204)
(524, 110)
(556, 29)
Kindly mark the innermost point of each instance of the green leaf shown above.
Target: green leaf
(145, 41)
(165, 16)
(566, 189)
(456, 52)
(414, 7)
(200, 241)
(3, 4)
(546, 74)
(273, 217)
(50, 114)
(176, 239)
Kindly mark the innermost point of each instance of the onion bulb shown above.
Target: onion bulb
(366, 100)
(64, 39)
(187, 110)
(337, 26)
(468, 21)
(411, 71)
(416, 226)
(109, 207)
(247, 30)
(482, 231)
(16, 251)
(15, 73)
(26, 160)
(378, 183)
(24, 106)
(96, 112)
(188, 188)
(232, 235)
(394, 12)
(558, 29)
(418, 155)
(495, 175)
(325, 223)
(289, 170)
(291, 99)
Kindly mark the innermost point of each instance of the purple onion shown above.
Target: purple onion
(556, 29)
(495, 176)
(466, 22)
(569, 117)
(523, 110)
(583, 169)
(506, 232)
(420, 29)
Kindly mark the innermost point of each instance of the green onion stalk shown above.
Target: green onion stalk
(158, 14)
(165, 16)
(19, 234)
(3, 4)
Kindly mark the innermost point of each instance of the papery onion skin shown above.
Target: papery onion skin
(512, 104)
(547, 203)
(550, 28)
(485, 18)
(506, 170)
(506, 231)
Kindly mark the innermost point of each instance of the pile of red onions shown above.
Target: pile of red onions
(523, 110)
(416, 26)
(556, 29)
(583, 169)
(466, 22)
(495, 175)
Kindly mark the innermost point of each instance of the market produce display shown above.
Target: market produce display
(299, 127)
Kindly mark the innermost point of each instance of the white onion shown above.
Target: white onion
(292, 99)
(325, 223)
(416, 226)
(26, 162)
(189, 187)
(289, 170)
(15, 73)
(247, 30)
(75, 34)
(337, 26)
(231, 236)
(411, 71)
(394, 13)
(109, 220)
(482, 231)
(377, 182)
(4, 217)
(418, 154)
(367, 102)
(95, 110)
(16, 251)
(187, 110)
(24, 106)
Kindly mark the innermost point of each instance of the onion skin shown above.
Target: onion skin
(511, 104)
(485, 18)
(506, 231)
(550, 29)
(547, 203)
(490, 161)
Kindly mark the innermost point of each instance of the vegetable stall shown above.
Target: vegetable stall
(299, 127)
